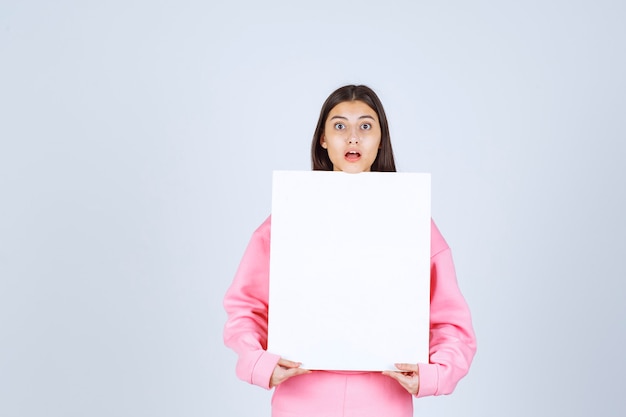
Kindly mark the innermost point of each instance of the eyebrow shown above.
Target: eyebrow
(365, 116)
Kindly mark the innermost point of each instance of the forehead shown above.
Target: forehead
(352, 109)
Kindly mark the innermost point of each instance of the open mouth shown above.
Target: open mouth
(352, 156)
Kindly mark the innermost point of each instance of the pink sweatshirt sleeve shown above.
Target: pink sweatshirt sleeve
(245, 303)
(452, 339)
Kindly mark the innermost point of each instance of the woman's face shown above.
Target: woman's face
(352, 136)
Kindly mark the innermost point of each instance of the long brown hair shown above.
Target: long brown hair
(384, 159)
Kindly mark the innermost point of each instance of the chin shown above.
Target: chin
(354, 170)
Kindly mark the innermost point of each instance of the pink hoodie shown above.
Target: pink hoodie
(452, 340)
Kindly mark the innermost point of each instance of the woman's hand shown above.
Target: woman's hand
(408, 376)
(284, 370)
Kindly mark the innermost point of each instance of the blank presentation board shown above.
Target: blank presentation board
(350, 269)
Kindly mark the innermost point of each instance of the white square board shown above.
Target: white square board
(350, 269)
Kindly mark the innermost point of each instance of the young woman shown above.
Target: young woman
(352, 135)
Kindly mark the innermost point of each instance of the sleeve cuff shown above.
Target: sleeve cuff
(263, 369)
(429, 380)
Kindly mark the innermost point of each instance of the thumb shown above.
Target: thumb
(288, 364)
(407, 367)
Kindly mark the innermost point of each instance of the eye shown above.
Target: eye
(340, 126)
(366, 126)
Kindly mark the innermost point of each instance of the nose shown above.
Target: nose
(353, 137)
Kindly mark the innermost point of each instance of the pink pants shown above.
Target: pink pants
(341, 394)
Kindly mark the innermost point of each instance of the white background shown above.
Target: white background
(137, 140)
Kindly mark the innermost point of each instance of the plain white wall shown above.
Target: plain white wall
(137, 141)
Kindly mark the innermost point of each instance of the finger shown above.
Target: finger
(407, 367)
(288, 364)
(289, 373)
(402, 378)
(296, 371)
(396, 375)
(390, 374)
